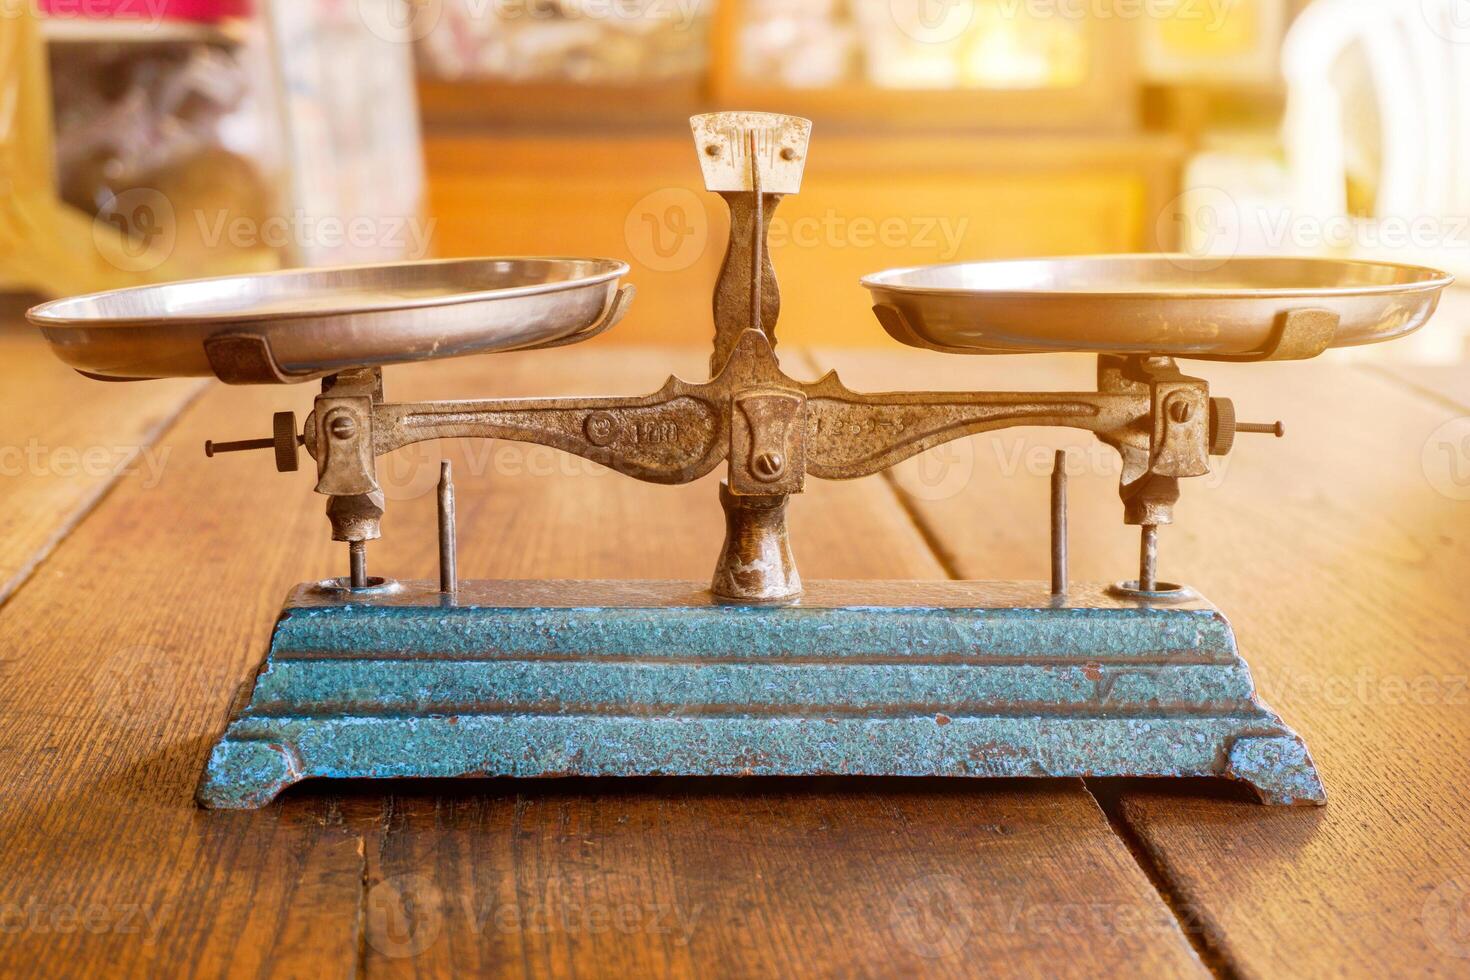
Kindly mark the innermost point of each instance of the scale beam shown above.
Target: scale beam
(682, 431)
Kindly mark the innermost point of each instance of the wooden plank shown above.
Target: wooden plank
(1338, 555)
(63, 441)
(771, 878)
(119, 655)
(1447, 383)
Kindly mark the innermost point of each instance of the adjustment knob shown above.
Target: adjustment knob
(1222, 426)
(285, 440)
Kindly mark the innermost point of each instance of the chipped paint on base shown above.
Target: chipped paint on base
(644, 683)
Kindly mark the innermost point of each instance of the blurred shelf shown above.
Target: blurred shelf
(448, 106)
(92, 30)
(477, 104)
(1085, 109)
(1105, 101)
(1193, 109)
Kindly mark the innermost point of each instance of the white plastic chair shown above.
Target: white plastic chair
(1417, 54)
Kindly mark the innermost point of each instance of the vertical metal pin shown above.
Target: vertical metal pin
(357, 556)
(757, 234)
(1059, 524)
(1148, 559)
(448, 557)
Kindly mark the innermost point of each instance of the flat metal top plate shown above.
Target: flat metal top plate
(659, 594)
(724, 154)
(1146, 304)
(329, 319)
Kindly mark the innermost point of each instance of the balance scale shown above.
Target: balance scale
(756, 673)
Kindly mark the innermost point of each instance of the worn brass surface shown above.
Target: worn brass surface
(303, 323)
(1153, 304)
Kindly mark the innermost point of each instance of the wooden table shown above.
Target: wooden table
(138, 593)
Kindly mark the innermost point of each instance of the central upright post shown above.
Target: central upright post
(753, 159)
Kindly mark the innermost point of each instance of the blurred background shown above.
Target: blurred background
(146, 140)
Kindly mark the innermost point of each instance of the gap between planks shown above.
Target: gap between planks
(1108, 797)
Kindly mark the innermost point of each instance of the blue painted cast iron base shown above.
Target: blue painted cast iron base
(641, 678)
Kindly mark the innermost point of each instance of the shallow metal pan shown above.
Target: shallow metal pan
(1147, 304)
(315, 321)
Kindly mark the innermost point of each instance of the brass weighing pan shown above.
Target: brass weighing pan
(1229, 309)
(304, 323)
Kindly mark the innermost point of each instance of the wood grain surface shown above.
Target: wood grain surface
(1339, 554)
(1449, 384)
(121, 651)
(63, 441)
